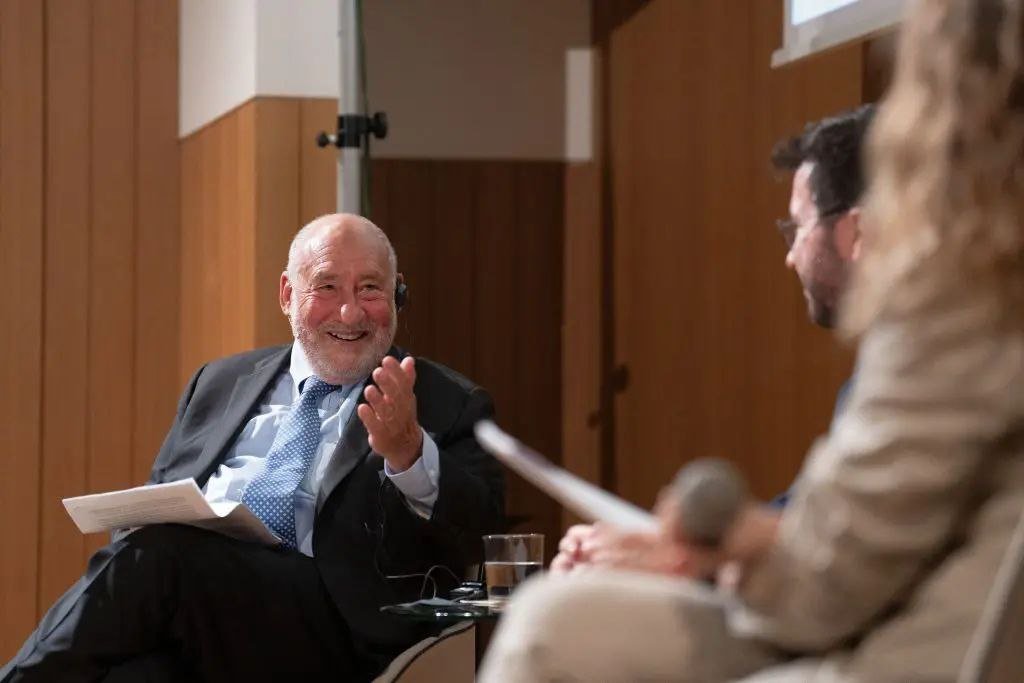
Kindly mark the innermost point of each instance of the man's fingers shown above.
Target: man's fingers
(399, 372)
(605, 558)
(409, 369)
(388, 382)
(579, 531)
(370, 420)
(594, 544)
(601, 538)
(570, 545)
(375, 399)
(560, 564)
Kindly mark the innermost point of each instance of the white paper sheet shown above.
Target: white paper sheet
(586, 500)
(178, 502)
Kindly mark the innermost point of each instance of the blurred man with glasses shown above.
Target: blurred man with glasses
(822, 232)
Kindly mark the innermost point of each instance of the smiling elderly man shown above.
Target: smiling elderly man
(359, 458)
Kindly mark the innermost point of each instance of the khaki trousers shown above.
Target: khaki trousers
(616, 626)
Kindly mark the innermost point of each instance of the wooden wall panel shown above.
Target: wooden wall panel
(189, 349)
(318, 169)
(278, 130)
(538, 235)
(480, 244)
(218, 209)
(449, 287)
(581, 324)
(88, 235)
(22, 122)
(111, 336)
(879, 62)
(66, 351)
(213, 327)
(157, 239)
(245, 246)
(711, 329)
(228, 280)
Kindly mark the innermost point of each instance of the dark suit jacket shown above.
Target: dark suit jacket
(364, 530)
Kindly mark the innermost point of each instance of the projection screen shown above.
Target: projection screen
(815, 25)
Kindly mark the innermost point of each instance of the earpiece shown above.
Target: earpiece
(401, 294)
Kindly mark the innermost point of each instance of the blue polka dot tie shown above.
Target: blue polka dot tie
(270, 495)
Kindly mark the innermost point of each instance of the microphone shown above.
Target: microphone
(711, 492)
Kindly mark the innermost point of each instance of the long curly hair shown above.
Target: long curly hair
(946, 160)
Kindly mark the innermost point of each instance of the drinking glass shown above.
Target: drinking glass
(509, 559)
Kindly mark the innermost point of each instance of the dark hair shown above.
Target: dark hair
(835, 146)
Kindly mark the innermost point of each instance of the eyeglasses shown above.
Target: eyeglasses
(789, 228)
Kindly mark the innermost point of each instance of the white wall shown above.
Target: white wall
(458, 78)
(297, 48)
(473, 78)
(217, 59)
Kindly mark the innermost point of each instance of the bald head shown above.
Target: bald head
(330, 228)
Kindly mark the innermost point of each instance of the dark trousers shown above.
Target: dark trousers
(172, 602)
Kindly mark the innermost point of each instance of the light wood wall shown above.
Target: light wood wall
(249, 180)
(89, 249)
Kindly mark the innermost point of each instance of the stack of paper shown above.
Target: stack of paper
(179, 502)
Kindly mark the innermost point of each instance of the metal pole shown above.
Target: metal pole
(350, 101)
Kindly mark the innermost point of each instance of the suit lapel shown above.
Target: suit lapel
(247, 391)
(352, 449)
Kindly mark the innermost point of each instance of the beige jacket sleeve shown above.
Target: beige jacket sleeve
(881, 498)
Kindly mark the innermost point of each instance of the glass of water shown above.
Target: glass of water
(509, 559)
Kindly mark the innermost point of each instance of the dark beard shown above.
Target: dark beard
(822, 315)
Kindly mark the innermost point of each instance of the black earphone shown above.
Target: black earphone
(401, 294)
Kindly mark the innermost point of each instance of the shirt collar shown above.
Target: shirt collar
(300, 370)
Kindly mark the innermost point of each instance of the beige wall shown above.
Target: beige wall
(465, 79)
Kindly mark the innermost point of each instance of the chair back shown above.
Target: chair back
(996, 652)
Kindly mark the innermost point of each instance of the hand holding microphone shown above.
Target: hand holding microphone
(711, 494)
(706, 519)
(708, 508)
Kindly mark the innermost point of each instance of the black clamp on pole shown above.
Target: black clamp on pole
(353, 129)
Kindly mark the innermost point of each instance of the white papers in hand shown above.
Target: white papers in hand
(586, 500)
(179, 502)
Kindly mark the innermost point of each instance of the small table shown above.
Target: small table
(446, 611)
(483, 613)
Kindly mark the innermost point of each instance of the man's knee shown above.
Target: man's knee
(156, 547)
(170, 537)
(587, 609)
(551, 604)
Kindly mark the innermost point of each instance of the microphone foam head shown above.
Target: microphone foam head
(711, 493)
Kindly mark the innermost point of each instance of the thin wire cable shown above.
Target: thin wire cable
(426, 577)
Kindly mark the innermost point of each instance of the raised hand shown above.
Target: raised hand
(389, 413)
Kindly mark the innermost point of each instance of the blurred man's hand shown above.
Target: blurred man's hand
(605, 546)
(751, 537)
